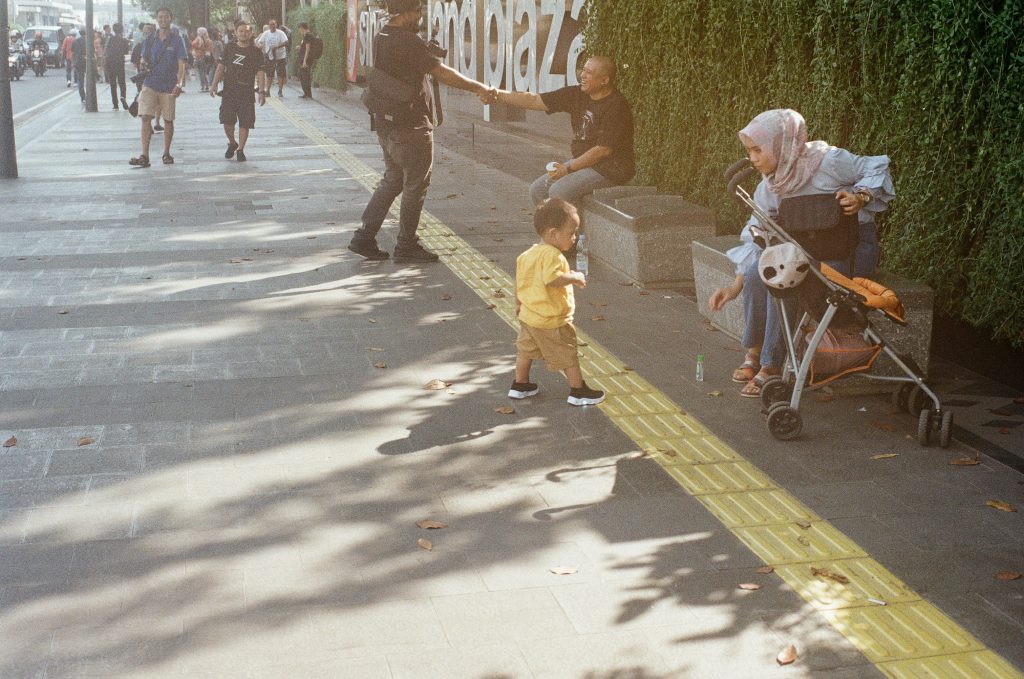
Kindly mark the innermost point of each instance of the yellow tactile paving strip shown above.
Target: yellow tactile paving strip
(905, 636)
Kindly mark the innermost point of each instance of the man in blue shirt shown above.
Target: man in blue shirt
(163, 59)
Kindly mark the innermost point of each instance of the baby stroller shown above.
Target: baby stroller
(833, 335)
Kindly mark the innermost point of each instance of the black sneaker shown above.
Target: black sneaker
(158, 128)
(415, 253)
(522, 390)
(230, 153)
(369, 250)
(585, 396)
(240, 156)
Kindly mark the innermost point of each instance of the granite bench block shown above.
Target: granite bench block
(644, 235)
(713, 270)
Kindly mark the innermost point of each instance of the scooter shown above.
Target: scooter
(38, 59)
(16, 65)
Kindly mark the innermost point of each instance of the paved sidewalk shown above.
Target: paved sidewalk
(262, 446)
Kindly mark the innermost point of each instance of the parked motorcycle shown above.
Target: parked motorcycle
(16, 66)
(38, 60)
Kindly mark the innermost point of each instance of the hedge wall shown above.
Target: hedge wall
(935, 84)
(330, 23)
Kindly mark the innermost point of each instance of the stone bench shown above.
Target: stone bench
(644, 235)
(713, 270)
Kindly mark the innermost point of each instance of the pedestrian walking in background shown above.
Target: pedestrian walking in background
(78, 50)
(69, 55)
(116, 51)
(310, 50)
(274, 43)
(217, 50)
(202, 55)
(405, 132)
(242, 63)
(163, 58)
(98, 60)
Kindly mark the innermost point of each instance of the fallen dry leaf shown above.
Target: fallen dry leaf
(499, 293)
(1008, 575)
(234, 261)
(429, 524)
(965, 461)
(310, 237)
(806, 525)
(826, 573)
(750, 586)
(63, 311)
(11, 442)
(452, 195)
(425, 544)
(372, 320)
(884, 426)
(885, 456)
(1001, 506)
(804, 541)
(716, 393)
(563, 570)
(1004, 430)
(599, 317)
(497, 240)
(1000, 412)
(824, 398)
(84, 441)
(644, 292)
(375, 348)
(765, 570)
(485, 278)
(491, 306)
(380, 365)
(445, 297)
(598, 303)
(505, 410)
(437, 385)
(786, 656)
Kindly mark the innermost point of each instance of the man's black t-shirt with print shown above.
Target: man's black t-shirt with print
(605, 122)
(402, 53)
(240, 67)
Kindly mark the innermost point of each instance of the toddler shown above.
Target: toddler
(545, 304)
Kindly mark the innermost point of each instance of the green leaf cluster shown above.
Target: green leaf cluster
(330, 22)
(934, 84)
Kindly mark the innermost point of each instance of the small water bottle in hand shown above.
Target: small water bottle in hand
(582, 261)
(700, 367)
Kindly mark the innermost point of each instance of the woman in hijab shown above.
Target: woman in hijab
(790, 166)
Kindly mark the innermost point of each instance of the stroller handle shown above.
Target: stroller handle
(735, 167)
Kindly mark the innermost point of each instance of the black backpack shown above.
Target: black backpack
(316, 48)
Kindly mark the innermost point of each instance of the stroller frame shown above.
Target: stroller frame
(781, 395)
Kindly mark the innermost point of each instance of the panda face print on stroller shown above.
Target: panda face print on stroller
(826, 317)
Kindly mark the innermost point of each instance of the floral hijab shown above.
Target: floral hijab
(782, 133)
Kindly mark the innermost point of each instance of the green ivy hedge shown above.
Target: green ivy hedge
(329, 21)
(934, 84)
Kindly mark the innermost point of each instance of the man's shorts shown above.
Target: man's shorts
(239, 111)
(277, 67)
(153, 104)
(557, 346)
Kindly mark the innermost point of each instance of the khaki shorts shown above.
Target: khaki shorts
(557, 346)
(153, 104)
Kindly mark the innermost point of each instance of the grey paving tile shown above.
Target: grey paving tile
(31, 564)
(498, 660)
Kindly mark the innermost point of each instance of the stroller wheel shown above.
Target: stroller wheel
(946, 428)
(924, 426)
(774, 390)
(900, 396)
(784, 422)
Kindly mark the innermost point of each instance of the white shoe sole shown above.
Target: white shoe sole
(577, 401)
(512, 393)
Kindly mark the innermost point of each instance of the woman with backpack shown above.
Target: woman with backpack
(202, 52)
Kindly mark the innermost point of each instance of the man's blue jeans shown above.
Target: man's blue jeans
(408, 159)
(572, 187)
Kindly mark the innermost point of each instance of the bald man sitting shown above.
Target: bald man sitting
(602, 127)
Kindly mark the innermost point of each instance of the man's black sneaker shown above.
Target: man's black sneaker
(585, 396)
(415, 253)
(240, 156)
(522, 390)
(280, 92)
(230, 153)
(158, 128)
(369, 250)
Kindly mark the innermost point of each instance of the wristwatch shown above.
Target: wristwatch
(865, 196)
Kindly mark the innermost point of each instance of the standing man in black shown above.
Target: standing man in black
(307, 59)
(241, 64)
(406, 140)
(78, 53)
(115, 51)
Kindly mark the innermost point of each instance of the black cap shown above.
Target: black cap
(399, 6)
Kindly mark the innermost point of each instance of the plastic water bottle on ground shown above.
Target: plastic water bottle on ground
(582, 260)
(700, 367)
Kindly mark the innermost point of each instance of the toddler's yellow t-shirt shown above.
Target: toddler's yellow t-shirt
(543, 305)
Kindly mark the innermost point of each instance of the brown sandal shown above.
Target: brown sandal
(745, 372)
(751, 389)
